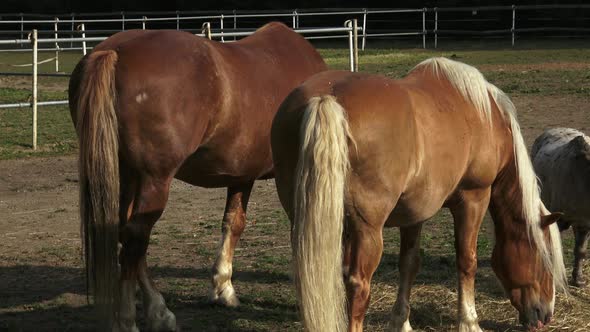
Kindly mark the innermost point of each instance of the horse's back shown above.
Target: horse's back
(200, 108)
(402, 133)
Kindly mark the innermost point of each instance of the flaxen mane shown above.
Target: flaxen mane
(472, 85)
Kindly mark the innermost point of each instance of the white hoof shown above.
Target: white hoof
(226, 297)
(469, 327)
(405, 327)
(161, 320)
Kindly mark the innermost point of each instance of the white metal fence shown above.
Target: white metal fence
(350, 30)
(498, 21)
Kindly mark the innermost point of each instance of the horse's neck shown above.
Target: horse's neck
(506, 205)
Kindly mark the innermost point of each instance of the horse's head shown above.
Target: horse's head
(522, 260)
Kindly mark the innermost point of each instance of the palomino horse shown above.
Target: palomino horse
(149, 106)
(561, 157)
(355, 152)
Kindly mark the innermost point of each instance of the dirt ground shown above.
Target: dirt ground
(41, 276)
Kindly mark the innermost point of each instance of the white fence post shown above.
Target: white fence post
(424, 28)
(435, 27)
(82, 28)
(56, 45)
(221, 24)
(122, 21)
(364, 27)
(22, 27)
(34, 98)
(293, 23)
(513, 23)
(73, 29)
(235, 23)
(206, 30)
(355, 37)
(143, 19)
(348, 24)
(177, 20)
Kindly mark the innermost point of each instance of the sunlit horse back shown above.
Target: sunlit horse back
(356, 152)
(561, 157)
(149, 106)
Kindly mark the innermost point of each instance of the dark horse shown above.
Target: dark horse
(355, 153)
(150, 106)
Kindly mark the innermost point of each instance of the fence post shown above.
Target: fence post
(355, 38)
(348, 24)
(221, 24)
(143, 19)
(34, 98)
(56, 45)
(235, 23)
(83, 29)
(122, 21)
(206, 30)
(22, 27)
(513, 23)
(435, 27)
(424, 28)
(72, 16)
(293, 24)
(296, 19)
(364, 27)
(177, 21)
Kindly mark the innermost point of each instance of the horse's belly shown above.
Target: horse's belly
(212, 170)
(409, 212)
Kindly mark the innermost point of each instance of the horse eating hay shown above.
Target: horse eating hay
(561, 157)
(356, 152)
(149, 106)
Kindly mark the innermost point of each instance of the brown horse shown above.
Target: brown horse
(149, 106)
(355, 153)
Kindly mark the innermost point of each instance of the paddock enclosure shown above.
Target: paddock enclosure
(42, 285)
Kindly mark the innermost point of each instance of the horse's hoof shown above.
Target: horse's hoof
(579, 282)
(469, 327)
(406, 327)
(163, 321)
(227, 297)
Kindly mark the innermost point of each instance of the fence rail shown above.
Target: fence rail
(350, 30)
(376, 23)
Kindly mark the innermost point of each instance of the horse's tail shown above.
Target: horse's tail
(318, 216)
(97, 129)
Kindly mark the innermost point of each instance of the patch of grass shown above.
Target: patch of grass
(55, 136)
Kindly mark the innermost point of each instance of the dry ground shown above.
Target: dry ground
(41, 277)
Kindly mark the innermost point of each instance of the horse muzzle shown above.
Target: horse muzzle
(536, 317)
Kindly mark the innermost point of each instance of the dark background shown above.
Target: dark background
(74, 6)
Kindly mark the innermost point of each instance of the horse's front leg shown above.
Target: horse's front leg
(468, 212)
(409, 264)
(582, 235)
(234, 221)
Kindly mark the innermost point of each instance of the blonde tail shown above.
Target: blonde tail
(97, 128)
(318, 217)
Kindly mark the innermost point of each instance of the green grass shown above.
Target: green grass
(57, 137)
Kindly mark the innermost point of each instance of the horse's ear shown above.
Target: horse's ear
(547, 220)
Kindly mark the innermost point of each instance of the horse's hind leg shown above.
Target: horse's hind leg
(582, 235)
(409, 264)
(149, 200)
(468, 212)
(234, 222)
(366, 248)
